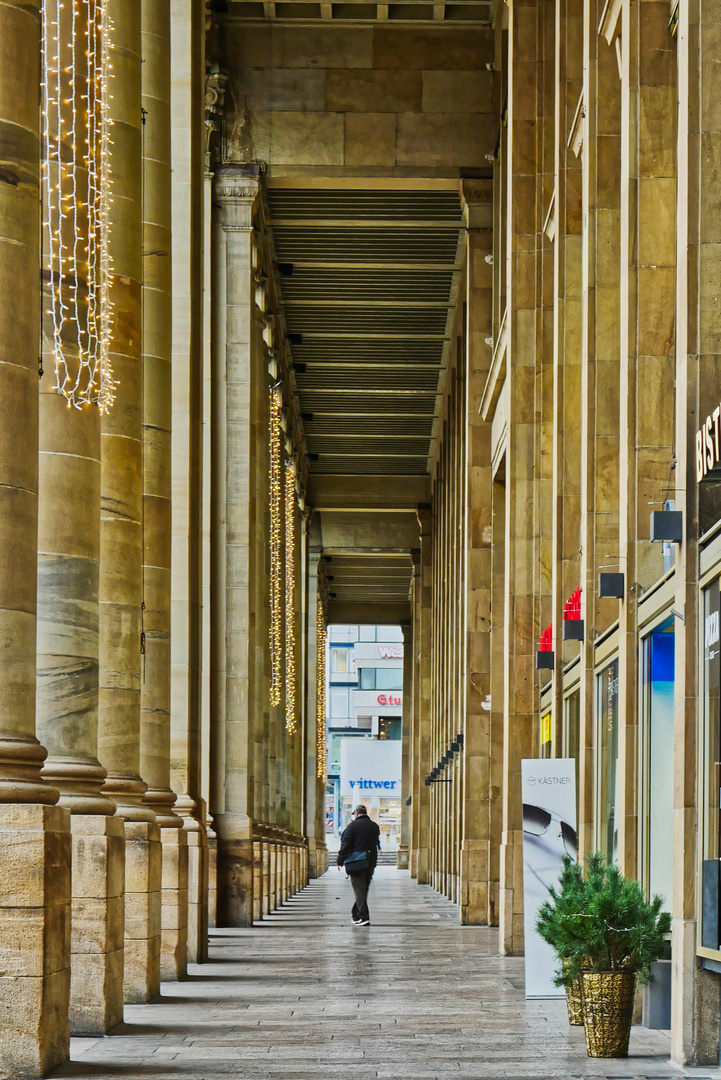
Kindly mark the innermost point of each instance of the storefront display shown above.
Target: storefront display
(658, 705)
(711, 676)
(607, 723)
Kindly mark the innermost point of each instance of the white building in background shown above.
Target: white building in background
(365, 702)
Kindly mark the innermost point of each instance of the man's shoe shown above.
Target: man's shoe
(356, 922)
(364, 922)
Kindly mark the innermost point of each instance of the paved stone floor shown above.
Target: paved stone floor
(305, 994)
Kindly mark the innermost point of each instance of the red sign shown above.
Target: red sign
(389, 699)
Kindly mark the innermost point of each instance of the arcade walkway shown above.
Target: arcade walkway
(305, 994)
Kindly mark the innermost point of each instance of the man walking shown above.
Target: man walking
(361, 838)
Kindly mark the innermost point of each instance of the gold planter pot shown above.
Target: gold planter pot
(607, 998)
(574, 1003)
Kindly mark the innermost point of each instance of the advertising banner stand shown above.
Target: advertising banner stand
(548, 791)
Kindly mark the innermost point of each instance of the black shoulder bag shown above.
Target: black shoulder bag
(356, 862)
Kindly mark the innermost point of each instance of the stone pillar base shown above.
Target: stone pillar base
(510, 921)
(273, 876)
(35, 854)
(474, 883)
(694, 1036)
(235, 869)
(402, 859)
(98, 924)
(257, 880)
(317, 858)
(198, 893)
(212, 879)
(266, 878)
(143, 878)
(174, 905)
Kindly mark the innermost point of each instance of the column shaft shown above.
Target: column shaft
(521, 625)
(695, 992)
(237, 381)
(157, 468)
(34, 838)
(481, 758)
(121, 515)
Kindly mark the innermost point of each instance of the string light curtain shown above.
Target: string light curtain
(76, 189)
(290, 477)
(276, 554)
(320, 730)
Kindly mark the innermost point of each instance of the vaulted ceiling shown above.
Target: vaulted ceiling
(369, 281)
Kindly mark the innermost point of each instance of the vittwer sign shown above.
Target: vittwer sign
(708, 445)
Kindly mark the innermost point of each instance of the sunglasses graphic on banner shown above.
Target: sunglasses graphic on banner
(537, 822)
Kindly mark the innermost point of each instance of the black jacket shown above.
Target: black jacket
(361, 835)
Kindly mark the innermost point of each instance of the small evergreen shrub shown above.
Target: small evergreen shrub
(599, 920)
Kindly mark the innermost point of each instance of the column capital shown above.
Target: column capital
(477, 202)
(236, 188)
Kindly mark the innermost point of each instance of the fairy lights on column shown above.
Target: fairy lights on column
(320, 731)
(276, 554)
(77, 193)
(290, 476)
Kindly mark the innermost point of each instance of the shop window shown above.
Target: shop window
(572, 728)
(711, 678)
(607, 761)
(339, 709)
(367, 678)
(339, 661)
(389, 728)
(546, 734)
(381, 678)
(389, 679)
(658, 690)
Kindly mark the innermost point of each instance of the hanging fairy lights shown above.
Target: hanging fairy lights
(276, 555)
(77, 195)
(321, 756)
(290, 477)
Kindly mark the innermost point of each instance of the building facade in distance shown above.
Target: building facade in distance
(365, 701)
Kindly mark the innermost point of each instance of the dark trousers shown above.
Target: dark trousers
(360, 883)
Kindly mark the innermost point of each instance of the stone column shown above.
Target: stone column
(157, 466)
(314, 786)
(694, 992)
(67, 703)
(236, 374)
(402, 860)
(520, 549)
(34, 833)
(67, 635)
(121, 500)
(647, 350)
(567, 251)
(420, 852)
(600, 175)
(481, 758)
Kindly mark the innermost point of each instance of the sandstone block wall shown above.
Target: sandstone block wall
(341, 99)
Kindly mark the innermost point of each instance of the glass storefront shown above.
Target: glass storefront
(607, 761)
(711, 678)
(572, 728)
(547, 734)
(658, 707)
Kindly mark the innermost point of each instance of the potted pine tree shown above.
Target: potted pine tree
(552, 925)
(608, 943)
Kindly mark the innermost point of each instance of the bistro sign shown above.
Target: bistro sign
(708, 446)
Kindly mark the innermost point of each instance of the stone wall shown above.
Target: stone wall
(381, 99)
